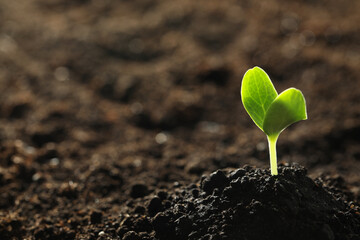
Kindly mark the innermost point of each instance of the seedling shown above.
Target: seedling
(271, 112)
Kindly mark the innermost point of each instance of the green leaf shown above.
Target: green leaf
(287, 108)
(271, 112)
(257, 94)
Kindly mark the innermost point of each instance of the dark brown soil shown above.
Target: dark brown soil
(249, 203)
(112, 111)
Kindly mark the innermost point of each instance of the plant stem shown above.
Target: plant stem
(272, 150)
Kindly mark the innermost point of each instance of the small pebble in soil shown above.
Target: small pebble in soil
(161, 138)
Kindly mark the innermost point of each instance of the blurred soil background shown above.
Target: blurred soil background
(103, 102)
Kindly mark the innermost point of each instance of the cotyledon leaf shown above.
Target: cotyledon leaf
(287, 108)
(257, 94)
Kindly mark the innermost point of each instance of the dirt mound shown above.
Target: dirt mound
(111, 111)
(249, 203)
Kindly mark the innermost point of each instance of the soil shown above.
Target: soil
(123, 120)
(249, 203)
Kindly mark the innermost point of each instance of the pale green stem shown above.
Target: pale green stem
(272, 150)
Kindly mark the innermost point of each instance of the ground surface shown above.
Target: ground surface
(104, 104)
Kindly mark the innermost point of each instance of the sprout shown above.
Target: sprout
(271, 112)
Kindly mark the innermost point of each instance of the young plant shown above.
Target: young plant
(271, 112)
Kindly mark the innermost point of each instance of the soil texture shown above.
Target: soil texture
(123, 120)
